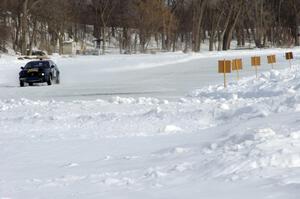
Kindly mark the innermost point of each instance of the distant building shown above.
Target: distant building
(97, 43)
(69, 48)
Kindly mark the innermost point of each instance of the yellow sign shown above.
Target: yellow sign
(272, 59)
(255, 61)
(224, 66)
(289, 56)
(237, 64)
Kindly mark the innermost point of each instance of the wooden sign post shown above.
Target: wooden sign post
(237, 65)
(225, 67)
(256, 62)
(289, 56)
(272, 60)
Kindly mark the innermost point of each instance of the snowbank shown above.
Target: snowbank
(244, 139)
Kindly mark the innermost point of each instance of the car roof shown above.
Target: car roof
(36, 61)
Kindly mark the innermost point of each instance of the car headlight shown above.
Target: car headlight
(43, 74)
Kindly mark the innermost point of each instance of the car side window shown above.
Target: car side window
(53, 64)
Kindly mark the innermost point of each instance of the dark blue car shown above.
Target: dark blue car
(39, 72)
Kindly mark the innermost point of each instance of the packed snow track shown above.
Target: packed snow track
(151, 126)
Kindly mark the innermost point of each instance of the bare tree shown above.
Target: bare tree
(174, 24)
(198, 8)
(103, 10)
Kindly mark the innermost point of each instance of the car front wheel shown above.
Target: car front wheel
(21, 83)
(49, 82)
(57, 80)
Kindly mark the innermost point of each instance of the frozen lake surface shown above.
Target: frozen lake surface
(152, 126)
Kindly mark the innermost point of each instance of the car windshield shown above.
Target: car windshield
(38, 53)
(37, 64)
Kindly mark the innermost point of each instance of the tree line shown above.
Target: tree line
(135, 24)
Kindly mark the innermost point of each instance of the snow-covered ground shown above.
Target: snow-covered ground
(152, 126)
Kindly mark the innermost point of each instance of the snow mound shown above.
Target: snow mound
(169, 129)
(273, 92)
(268, 85)
(256, 153)
(141, 100)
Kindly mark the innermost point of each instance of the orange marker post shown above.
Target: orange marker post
(256, 62)
(225, 67)
(289, 56)
(272, 60)
(237, 65)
